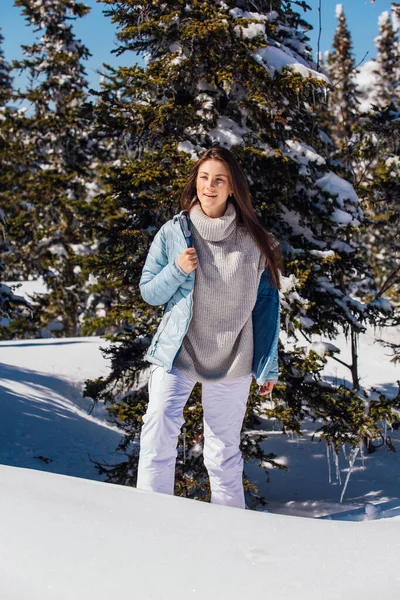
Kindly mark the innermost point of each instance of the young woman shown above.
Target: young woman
(217, 269)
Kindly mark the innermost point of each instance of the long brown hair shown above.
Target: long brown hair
(245, 212)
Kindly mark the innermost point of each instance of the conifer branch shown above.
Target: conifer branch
(393, 278)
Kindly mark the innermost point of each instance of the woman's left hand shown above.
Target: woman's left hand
(266, 388)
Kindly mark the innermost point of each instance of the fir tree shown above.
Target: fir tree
(387, 69)
(376, 164)
(343, 103)
(57, 174)
(218, 72)
(5, 78)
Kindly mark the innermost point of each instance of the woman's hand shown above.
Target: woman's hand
(188, 260)
(266, 388)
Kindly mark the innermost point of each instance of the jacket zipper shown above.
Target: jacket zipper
(160, 332)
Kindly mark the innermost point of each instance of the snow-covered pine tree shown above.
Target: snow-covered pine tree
(343, 102)
(239, 74)
(10, 163)
(376, 162)
(5, 78)
(387, 65)
(5, 94)
(57, 176)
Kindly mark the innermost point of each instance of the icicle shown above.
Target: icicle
(184, 444)
(328, 456)
(338, 478)
(353, 456)
(385, 431)
(344, 451)
(362, 451)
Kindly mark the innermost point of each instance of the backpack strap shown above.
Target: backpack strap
(185, 226)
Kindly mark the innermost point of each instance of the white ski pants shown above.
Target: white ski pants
(224, 407)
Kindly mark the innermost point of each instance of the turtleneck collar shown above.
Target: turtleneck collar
(213, 229)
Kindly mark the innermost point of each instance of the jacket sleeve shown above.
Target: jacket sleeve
(160, 279)
(273, 374)
(266, 321)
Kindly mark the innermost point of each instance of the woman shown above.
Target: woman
(217, 269)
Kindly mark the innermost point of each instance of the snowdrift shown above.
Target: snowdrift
(66, 538)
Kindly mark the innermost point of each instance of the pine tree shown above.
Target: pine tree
(5, 78)
(376, 162)
(343, 103)
(218, 72)
(56, 180)
(387, 68)
(5, 95)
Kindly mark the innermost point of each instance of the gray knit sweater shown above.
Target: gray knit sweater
(219, 342)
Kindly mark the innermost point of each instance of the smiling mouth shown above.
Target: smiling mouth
(208, 196)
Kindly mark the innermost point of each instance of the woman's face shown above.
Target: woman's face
(213, 186)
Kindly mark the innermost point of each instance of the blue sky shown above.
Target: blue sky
(98, 33)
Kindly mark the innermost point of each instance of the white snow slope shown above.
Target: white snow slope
(64, 538)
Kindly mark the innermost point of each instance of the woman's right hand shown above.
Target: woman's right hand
(188, 260)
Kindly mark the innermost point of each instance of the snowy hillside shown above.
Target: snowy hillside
(64, 538)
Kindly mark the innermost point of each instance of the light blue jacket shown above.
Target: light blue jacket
(164, 282)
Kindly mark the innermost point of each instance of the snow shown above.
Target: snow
(339, 10)
(331, 183)
(345, 196)
(383, 304)
(228, 133)
(395, 19)
(303, 154)
(343, 218)
(27, 288)
(322, 253)
(384, 18)
(73, 538)
(189, 148)
(238, 13)
(341, 246)
(292, 218)
(365, 79)
(274, 59)
(321, 348)
(306, 322)
(41, 383)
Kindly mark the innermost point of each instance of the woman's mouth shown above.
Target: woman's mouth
(209, 196)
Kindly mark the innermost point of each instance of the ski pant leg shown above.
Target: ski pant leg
(162, 422)
(224, 408)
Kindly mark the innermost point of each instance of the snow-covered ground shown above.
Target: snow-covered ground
(64, 538)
